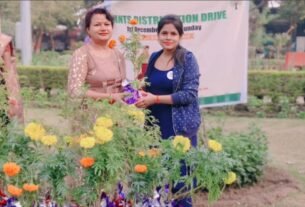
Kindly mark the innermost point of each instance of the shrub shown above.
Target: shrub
(3, 106)
(266, 64)
(249, 150)
(277, 83)
(40, 98)
(274, 84)
(261, 83)
(107, 144)
(52, 58)
(256, 105)
(44, 77)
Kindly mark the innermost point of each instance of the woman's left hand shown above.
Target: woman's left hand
(147, 99)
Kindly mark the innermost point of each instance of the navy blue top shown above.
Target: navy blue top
(161, 83)
(185, 108)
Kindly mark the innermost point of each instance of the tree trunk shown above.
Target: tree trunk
(37, 47)
(292, 27)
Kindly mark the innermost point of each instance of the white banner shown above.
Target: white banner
(215, 31)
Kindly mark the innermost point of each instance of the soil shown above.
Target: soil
(274, 186)
(283, 183)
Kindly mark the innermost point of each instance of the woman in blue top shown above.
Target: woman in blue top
(172, 93)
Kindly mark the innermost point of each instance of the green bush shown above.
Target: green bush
(249, 150)
(266, 64)
(277, 84)
(256, 106)
(283, 87)
(42, 98)
(261, 83)
(45, 77)
(52, 58)
(3, 108)
(301, 115)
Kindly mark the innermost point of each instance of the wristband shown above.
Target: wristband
(157, 100)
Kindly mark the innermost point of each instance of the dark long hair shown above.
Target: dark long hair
(176, 21)
(92, 12)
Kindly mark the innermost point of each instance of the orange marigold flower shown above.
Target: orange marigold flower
(30, 187)
(154, 152)
(11, 169)
(112, 44)
(140, 168)
(122, 38)
(14, 191)
(133, 22)
(87, 162)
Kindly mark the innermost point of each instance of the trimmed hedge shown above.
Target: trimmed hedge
(276, 84)
(45, 77)
(261, 83)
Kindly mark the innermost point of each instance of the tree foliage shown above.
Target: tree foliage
(9, 14)
(47, 14)
(294, 11)
(257, 22)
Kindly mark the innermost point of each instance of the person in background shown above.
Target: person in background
(172, 92)
(9, 79)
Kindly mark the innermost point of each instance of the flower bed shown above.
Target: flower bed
(110, 146)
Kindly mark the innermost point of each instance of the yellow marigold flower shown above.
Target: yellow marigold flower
(11, 169)
(214, 145)
(14, 191)
(87, 142)
(138, 115)
(141, 153)
(231, 178)
(122, 38)
(104, 122)
(103, 135)
(182, 143)
(133, 22)
(49, 140)
(30, 187)
(34, 131)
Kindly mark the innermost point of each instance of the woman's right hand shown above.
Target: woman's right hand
(147, 99)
